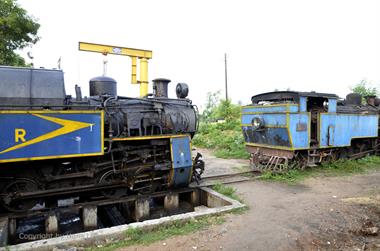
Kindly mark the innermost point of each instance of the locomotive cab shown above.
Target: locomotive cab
(314, 105)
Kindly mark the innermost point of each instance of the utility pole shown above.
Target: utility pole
(225, 74)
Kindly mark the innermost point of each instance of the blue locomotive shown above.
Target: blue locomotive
(104, 145)
(285, 129)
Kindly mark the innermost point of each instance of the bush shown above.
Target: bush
(225, 138)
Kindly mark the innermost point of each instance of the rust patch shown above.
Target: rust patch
(270, 152)
(301, 127)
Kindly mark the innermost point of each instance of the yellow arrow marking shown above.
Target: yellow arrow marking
(68, 126)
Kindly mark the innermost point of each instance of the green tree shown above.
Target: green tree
(211, 104)
(17, 30)
(228, 111)
(364, 88)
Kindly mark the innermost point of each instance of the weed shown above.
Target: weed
(240, 210)
(138, 236)
(337, 168)
(227, 191)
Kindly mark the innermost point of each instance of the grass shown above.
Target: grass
(226, 139)
(231, 193)
(137, 236)
(227, 191)
(337, 168)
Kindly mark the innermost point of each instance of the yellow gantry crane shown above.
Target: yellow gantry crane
(135, 54)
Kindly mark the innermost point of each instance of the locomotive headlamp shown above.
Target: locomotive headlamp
(257, 123)
(182, 90)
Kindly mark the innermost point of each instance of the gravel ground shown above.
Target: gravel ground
(324, 213)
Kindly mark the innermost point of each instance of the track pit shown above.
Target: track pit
(96, 224)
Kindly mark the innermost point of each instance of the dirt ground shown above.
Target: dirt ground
(325, 213)
(218, 166)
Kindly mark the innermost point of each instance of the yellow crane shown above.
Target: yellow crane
(135, 54)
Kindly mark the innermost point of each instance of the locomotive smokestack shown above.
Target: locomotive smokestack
(160, 87)
(371, 100)
(353, 99)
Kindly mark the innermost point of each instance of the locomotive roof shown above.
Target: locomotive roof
(289, 95)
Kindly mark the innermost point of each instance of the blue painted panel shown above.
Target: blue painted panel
(332, 105)
(277, 137)
(303, 102)
(269, 108)
(344, 127)
(269, 119)
(49, 135)
(182, 161)
(299, 130)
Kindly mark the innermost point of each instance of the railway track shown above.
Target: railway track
(227, 178)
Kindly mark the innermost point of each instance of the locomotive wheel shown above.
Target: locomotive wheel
(342, 154)
(108, 178)
(256, 162)
(11, 191)
(331, 158)
(299, 162)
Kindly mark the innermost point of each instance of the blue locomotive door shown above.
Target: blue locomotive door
(330, 135)
(182, 161)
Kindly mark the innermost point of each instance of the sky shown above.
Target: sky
(304, 45)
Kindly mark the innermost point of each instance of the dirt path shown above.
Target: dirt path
(318, 214)
(218, 166)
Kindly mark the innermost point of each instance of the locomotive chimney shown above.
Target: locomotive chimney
(371, 99)
(353, 99)
(160, 87)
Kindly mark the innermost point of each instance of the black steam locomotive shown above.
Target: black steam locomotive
(55, 146)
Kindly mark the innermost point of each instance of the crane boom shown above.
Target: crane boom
(134, 54)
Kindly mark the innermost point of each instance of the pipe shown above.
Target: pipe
(78, 93)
